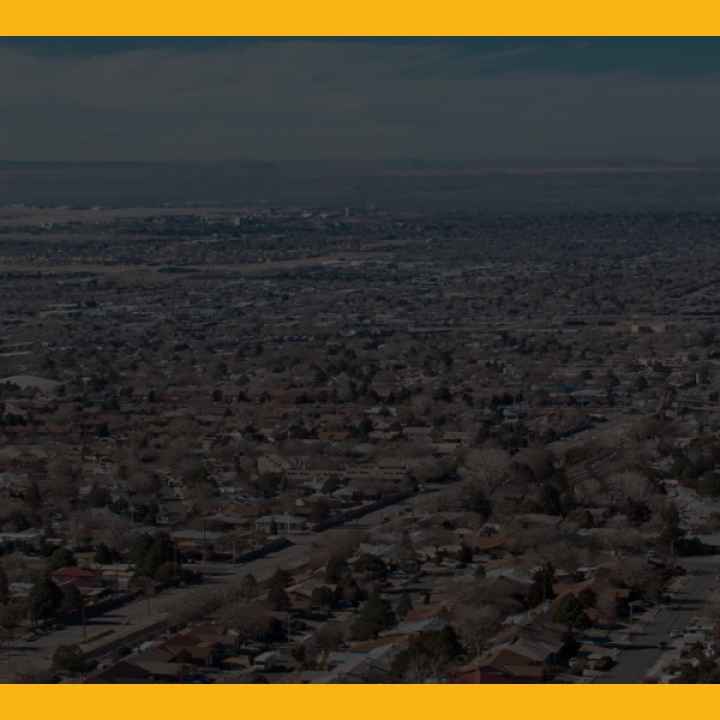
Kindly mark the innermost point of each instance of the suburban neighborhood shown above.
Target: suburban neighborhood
(341, 445)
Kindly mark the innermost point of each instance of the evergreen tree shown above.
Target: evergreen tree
(375, 616)
(4, 586)
(45, 599)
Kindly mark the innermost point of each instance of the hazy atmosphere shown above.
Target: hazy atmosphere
(442, 101)
(402, 123)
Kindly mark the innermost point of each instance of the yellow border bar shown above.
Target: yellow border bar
(369, 17)
(358, 702)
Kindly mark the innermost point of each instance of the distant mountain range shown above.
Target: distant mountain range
(125, 164)
(487, 185)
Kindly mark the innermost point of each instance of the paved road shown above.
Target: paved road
(23, 657)
(633, 664)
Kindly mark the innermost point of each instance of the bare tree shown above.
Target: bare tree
(475, 625)
(486, 468)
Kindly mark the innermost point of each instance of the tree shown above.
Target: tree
(268, 484)
(162, 550)
(139, 549)
(633, 485)
(167, 573)
(551, 500)
(539, 459)
(104, 555)
(196, 474)
(249, 587)
(542, 587)
(375, 616)
(32, 497)
(62, 479)
(253, 623)
(72, 599)
(11, 616)
(319, 511)
(278, 598)
(62, 557)
(336, 569)
(348, 591)
(475, 500)
(427, 654)
(145, 585)
(4, 587)
(69, 658)
(407, 556)
(637, 512)
(571, 612)
(45, 599)
(587, 598)
(328, 638)
(281, 578)
(98, 496)
(331, 485)
(487, 468)
(671, 531)
(476, 624)
(363, 428)
(322, 597)
(465, 554)
(371, 566)
(404, 605)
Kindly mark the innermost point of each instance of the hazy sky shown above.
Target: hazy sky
(441, 99)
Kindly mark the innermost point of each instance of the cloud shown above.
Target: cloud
(305, 99)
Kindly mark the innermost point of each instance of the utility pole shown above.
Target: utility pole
(83, 620)
(148, 593)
